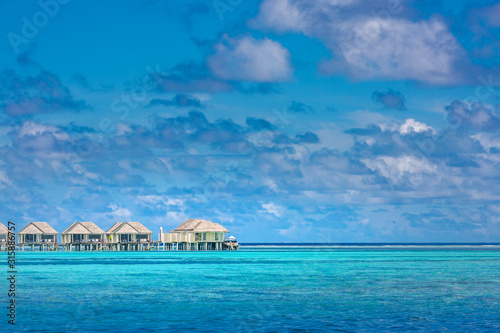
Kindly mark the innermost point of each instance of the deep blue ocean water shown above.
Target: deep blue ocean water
(260, 289)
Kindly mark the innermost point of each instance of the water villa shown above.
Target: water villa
(129, 236)
(4, 232)
(196, 235)
(38, 233)
(83, 235)
(192, 235)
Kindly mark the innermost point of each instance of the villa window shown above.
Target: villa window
(95, 238)
(142, 237)
(216, 236)
(30, 238)
(204, 236)
(197, 237)
(124, 238)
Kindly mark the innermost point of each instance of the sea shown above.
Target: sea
(260, 288)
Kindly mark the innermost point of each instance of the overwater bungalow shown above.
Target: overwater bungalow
(38, 233)
(196, 235)
(128, 232)
(82, 233)
(4, 232)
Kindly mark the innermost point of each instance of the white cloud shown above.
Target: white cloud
(280, 15)
(122, 129)
(367, 45)
(487, 140)
(176, 217)
(4, 178)
(270, 184)
(159, 201)
(119, 212)
(273, 209)
(395, 168)
(412, 126)
(397, 49)
(249, 59)
(32, 128)
(364, 221)
(171, 211)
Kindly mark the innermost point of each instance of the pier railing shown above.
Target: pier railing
(90, 241)
(133, 241)
(44, 242)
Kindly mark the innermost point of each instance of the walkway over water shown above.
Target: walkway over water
(127, 246)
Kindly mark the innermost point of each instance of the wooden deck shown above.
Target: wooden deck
(126, 246)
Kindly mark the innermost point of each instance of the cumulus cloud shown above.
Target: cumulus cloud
(41, 140)
(194, 129)
(489, 141)
(416, 163)
(249, 59)
(192, 77)
(43, 93)
(366, 45)
(396, 167)
(31, 128)
(218, 162)
(390, 99)
(413, 126)
(475, 116)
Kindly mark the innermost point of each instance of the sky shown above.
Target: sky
(284, 120)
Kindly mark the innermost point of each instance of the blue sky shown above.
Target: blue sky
(284, 120)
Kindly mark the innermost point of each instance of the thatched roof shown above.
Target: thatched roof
(3, 229)
(38, 228)
(197, 225)
(83, 228)
(128, 228)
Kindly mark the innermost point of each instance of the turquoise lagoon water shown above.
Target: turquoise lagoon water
(261, 289)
